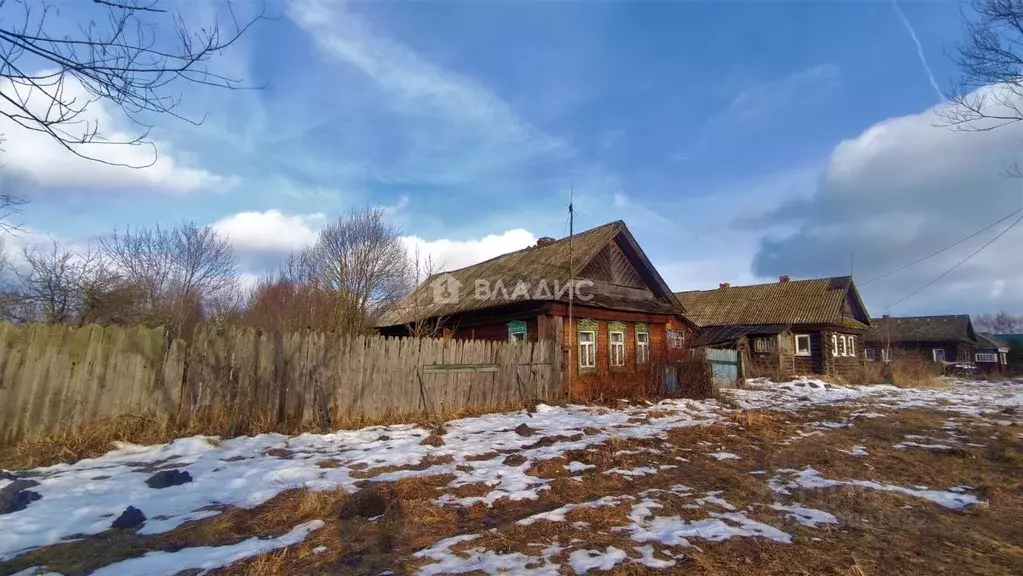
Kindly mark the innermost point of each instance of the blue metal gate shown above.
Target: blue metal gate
(724, 366)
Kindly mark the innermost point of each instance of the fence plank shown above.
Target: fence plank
(57, 377)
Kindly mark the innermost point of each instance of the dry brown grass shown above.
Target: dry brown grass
(97, 437)
(877, 535)
(915, 373)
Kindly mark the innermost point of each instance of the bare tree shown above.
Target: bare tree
(989, 93)
(142, 257)
(361, 260)
(416, 306)
(133, 54)
(1000, 323)
(176, 272)
(54, 280)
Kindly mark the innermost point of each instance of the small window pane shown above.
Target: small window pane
(802, 344)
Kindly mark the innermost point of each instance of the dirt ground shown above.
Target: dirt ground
(850, 488)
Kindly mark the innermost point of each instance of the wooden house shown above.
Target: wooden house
(992, 355)
(626, 326)
(783, 328)
(946, 339)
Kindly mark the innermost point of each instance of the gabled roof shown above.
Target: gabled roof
(953, 328)
(988, 340)
(815, 301)
(546, 264)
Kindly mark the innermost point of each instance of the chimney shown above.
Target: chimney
(544, 241)
(784, 279)
(724, 285)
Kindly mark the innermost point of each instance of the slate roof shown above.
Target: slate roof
(533, 266)
(953, 328)
(986, 340)
(815, 301)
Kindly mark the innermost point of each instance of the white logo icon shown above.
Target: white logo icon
(445, 289)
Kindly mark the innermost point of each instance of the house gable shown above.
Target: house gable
(612, 266)
(853, 307)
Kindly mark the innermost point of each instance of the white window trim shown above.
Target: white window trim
(592, 346)
(611, 348)
(934, 354)
(511, 336)
(843, 348)
(834, 344)
(1003, 358)
(808, 350)
(986, 357)
(642, 348)
(850, 345)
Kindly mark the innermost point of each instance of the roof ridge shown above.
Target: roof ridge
(775, 282)
(533, 246)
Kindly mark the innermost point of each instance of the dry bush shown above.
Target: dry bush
(869, 373)
(914, 372)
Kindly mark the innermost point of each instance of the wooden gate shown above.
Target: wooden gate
(724, 365)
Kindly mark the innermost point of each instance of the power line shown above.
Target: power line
(958, 264)
(946, 248)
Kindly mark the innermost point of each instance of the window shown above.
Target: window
(841, 347)
(676, 339)
(616, 341)
(1004, 357)
(802, 344)
(764, 345)
(642, 347)
(938, 354)
(834, 344)
(870, 354)
(850, 345)
(986, 357)
(587, 350)
(517, 331)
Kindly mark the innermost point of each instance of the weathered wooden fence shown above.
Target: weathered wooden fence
(59, 377)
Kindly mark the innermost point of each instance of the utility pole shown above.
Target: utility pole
(571, 284)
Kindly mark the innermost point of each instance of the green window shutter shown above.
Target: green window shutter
(517, 327)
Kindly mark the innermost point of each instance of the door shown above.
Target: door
(724, 366)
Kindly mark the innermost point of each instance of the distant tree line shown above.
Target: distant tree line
(189, 273)
(1000, 323)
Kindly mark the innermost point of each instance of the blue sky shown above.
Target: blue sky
(738, 140)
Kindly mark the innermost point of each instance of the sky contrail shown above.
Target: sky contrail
(919, 49)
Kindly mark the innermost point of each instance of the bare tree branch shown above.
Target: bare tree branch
(133, 59)
(989, 93)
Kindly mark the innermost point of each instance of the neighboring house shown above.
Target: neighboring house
(626, 324)
(1015, 356)
(783, 328)
(947, 339)
(992, 355)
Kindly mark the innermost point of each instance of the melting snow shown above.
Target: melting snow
(810, 478)
(205, 557)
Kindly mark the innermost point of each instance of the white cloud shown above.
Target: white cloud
(454, 254)
(43, 160)
(901, 190)
(271, 231)
(449, 129)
